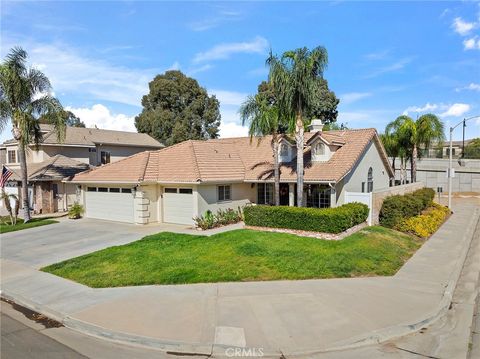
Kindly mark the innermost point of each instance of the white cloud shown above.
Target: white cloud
(72, 71)
(100, 116)
(231, 129)
(229, 97)
(472, 86)
(199, 69)
(427, 108)
(456, 110)
(379, 55)
(471, 44)
(258, 45)
(353, 97)
(221, 17)
(463, 27)
(398, 65)
(448, 110)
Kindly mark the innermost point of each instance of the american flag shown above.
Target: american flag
(6, 173)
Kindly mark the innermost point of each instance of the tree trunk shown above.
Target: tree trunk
(299, 139)
(401, 171)
(23, 175)
(276, 170)
(394, 173)
(413, 168)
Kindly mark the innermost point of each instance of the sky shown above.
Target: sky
(385, 58)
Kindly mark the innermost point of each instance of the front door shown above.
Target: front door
(284, 196)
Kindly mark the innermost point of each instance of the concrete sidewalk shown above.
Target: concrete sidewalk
(283, 317)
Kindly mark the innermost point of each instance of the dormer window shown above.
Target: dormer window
(319, 149)
(283, 150)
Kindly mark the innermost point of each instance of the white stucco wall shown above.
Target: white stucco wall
(242, 194)
(152, 194)
(353, 181)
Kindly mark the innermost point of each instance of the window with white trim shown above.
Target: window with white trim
(370, 180)
(12, 156)
(104, 157)
(265, 193)
(224, 193)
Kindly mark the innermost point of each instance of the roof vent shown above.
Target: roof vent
(315, 126)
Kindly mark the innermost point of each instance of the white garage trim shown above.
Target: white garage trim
(113, 204)
(178, 205)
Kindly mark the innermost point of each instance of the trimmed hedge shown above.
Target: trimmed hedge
(327, 220)
(399, 207)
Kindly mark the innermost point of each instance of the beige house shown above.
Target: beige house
(52, 162)
(178, 183)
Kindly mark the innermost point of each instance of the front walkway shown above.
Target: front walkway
(289, 317)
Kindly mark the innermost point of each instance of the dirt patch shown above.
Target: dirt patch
(35, 316)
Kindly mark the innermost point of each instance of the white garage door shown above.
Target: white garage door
(178, 205)
(114, 204)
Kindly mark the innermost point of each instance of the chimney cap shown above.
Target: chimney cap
(315, 126)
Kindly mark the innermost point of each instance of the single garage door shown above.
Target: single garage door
(178, 205)
(113, 204)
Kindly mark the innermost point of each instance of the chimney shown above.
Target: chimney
(315, 126)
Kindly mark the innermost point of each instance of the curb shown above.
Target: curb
(182, 348)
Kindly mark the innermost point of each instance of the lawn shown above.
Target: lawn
(6, 227)
(240, 255)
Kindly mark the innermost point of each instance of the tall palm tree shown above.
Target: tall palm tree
(412, 135)
(263, 118)
(295, 78)
(24, 98)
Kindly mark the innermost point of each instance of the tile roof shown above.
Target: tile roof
(235, 159)
(55, 168)
(92, 136)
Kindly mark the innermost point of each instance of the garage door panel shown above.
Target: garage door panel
(178, 208)
(110, 206)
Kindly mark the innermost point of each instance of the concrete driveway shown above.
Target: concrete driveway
(49, 244)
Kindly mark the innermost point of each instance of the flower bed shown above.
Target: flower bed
(222, 218)
(425, 224)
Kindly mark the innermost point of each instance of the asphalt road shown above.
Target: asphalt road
(22, 342)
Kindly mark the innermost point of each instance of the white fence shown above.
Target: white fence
(365, 198)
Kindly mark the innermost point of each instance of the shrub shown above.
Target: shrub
(425, 224)
(327, 220)
(397, 208)
(221, 218)
(76, 211)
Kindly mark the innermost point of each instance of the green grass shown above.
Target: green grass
(6, 227)
(240, 255)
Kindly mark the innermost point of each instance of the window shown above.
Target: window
(363, 187)
(224, 193)
(92, 150)
(448, 151)
(283, 150)
(265, 193)
(170, 190)
(12, 156)
(126, 190)
(185, 190)
(317, 196)
(104, 157)
(55, 190)
(370, 180)
(319, 149)
(102, 189)
(115, 190)
(91, 189)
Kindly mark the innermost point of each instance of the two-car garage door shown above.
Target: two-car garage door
(178, 205)
(114, 204)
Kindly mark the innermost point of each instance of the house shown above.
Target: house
(442, 150)
(82, 148)
(182, 181)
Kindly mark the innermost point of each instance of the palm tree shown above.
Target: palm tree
(295, 78)
(412, 135)
(24, 98)
(263, 118)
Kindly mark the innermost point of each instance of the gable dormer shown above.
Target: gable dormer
(321, 149)
(285, 150)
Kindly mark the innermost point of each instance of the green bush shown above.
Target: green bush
(399, 207)
(425, 224)
(327, 220)
(221, 218)
(76, 211)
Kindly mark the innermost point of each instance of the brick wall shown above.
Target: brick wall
(379, 196)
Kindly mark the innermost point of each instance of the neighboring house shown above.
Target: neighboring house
(177, 183)
(442, 150)
(53, 162)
